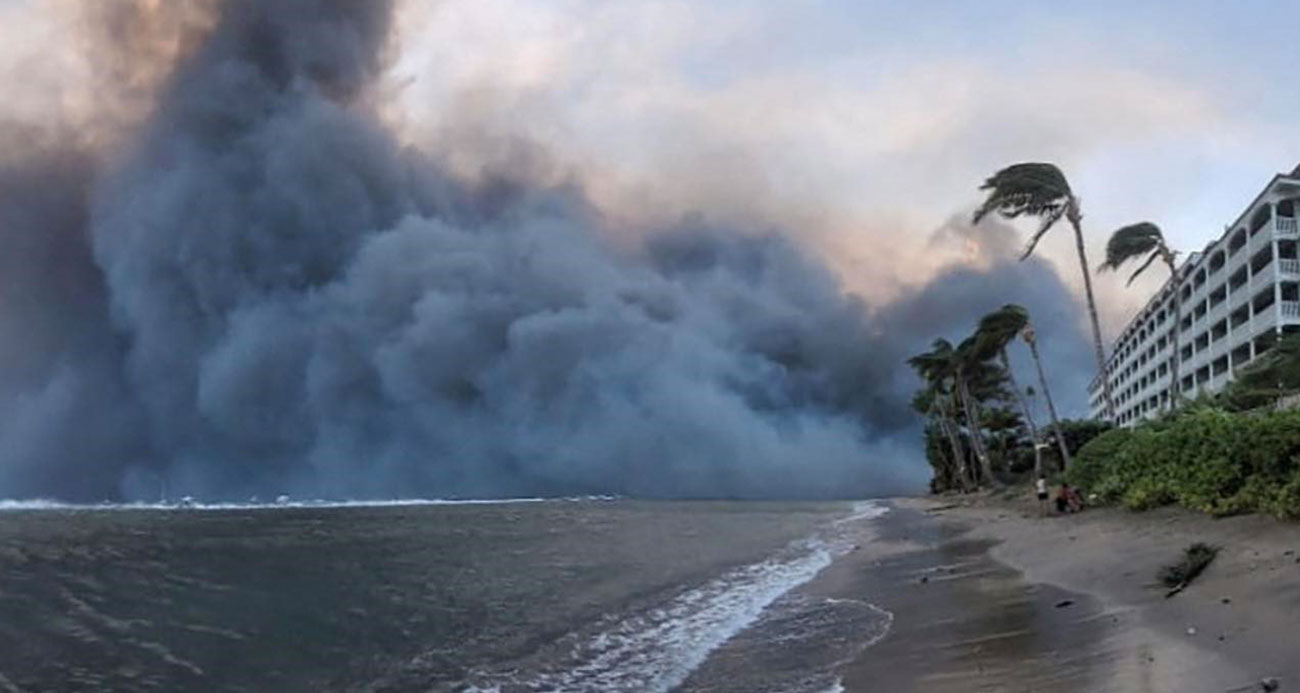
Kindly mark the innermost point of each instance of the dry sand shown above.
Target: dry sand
(991, 596)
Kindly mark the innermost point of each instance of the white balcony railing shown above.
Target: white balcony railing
(1288, 266)
(1291, 309)
(1286, 226)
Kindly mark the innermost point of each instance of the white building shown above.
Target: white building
(1238, 295)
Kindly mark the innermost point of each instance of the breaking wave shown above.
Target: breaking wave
(657, 650)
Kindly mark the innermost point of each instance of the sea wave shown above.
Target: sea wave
(656, 651)
(863, 510)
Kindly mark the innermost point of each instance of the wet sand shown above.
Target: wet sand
(989, 596)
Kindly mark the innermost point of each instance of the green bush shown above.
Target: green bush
(1205, 459)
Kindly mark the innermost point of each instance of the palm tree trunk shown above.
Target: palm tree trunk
(1051, 408)
(973, 424)
(1072, 212)
(954, 440)
(1024, 407)
(1176, 384)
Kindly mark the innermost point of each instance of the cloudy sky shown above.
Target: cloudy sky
(860, 126)
(860, 131)
(862, 122)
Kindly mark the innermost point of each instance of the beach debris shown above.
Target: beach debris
(1178, 576)
(1064, 603)
(925, 579)
(1191, 630)
(1225, 600)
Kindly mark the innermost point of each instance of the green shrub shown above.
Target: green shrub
(1096, 460)
(1203, 458)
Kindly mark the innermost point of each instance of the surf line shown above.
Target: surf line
(657, 650)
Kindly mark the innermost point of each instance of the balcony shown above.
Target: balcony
(1291, 310)
(1262, 322)
(1217, 312)
(1264, 278)
(1289, 266)
(1286, 226)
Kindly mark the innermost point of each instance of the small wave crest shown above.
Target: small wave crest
(657, 650)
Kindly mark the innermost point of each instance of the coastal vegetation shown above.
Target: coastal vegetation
(979, 421)
(1233, 453)
(1207, 459)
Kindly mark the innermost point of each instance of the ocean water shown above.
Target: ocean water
(523, 596)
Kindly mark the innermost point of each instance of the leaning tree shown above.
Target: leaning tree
(998, 329)
(1040, 190)
(1134, 241)
(977, 380)
(938, 368)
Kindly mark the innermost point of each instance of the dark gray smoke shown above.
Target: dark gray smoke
(265, 294)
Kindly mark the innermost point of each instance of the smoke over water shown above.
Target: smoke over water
(260, 291)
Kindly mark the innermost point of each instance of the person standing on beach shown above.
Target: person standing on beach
(1040, 486)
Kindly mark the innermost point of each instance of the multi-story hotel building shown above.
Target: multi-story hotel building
(1239, 295)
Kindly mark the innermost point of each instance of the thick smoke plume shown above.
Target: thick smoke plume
(261, 292)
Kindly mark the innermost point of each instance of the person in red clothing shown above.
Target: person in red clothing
(1063, 498)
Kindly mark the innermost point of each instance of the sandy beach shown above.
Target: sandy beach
(991, 596)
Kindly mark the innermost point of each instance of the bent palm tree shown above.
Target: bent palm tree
(1144, 238)
(926, 403)
(1041, 190)
(937, 368)
(998, 329)
(972, 367)
(1031, 338)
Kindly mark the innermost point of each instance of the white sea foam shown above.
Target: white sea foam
(656, 651)
(45, 504)
(863, 510)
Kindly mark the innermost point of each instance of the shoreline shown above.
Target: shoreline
(988, 595)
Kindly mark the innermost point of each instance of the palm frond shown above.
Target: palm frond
(974, 351)
(1131, 241)
(935, 365)
(1026, 189)
(1154, 254)
(1001, 327)
(1043, 227)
